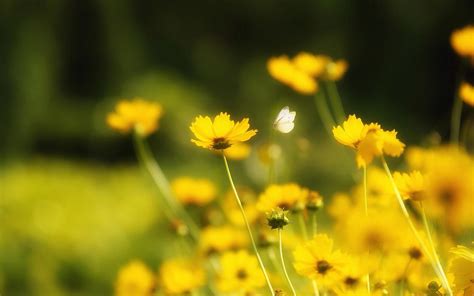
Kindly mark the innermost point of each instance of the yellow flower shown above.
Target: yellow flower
(239, 273)
(136, 114)
(218, 239)
(411, 186)
(181, 276)
(232, 210)
(317, 260)
(336, 69)
(221, 133)
(191, 191)
(285, 196)
(313, 65)
(462, 41)
(351, 132)
(282, 69)
(466, 93)
(135, 279)
(462, 268)
(238, 151)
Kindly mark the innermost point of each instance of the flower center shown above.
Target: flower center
(241, 274)
(415, 253)
(322, 266)
(220, 144)
(350, 281)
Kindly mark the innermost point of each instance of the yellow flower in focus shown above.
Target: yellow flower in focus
(181, 276)
(136, 114)
(221, 133)
(239, 272)
(191, 191)
(285, 196)
(135, 279)
(218, 239)
(462, 268)
(317, 260)
(313, 65)
(238, 151)
(351, 132)
(336, 69)
(466, 93)
(282, 69)
(411, 186)
(462, 41)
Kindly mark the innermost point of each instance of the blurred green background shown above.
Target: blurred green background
(74, 205)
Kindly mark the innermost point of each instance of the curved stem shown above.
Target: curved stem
(148, 161)
(244, 216)
(439, 272)
(283, 263)
(335, 101)
(324, 112)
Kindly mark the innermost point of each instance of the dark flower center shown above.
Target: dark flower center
(415, 253)
(350, 281)
(323, 266)
(241, 274)
(220, 144)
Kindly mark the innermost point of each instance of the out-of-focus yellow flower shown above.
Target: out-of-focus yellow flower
(232, 210)
(191, 191)
(218, 239)
(317, 260)
(282, 69)
(285, 196)
(221, 133)
(238, 151)
(462, 41)
(336, 69)
(135, 279)
(369, 140)
(313, 65)
(181, 276)
(462, 268)
(340, 206)
(354, 274)
(411, 186)
(466, 93)
(137, 114)
(239, 273)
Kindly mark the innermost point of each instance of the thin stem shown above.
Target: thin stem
(324, 112)
(335, 100)
(315, 288)
(456, 119)
(148, 161)
(425, 249)
(244, 216)
(271, 166)
(283, 263)
(302, 223)
(314, 223)
(403, 280)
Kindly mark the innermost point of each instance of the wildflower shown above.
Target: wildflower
(285, 196)
(191, 191)
(411, 186)
(137, 114)
(135, 279)
(282, 69)
(181, 276)
(313, 65)
(218, 239)
(238, 151)
(284, 121)
(277, 219)
(462, 41)
(317, 260)
(232, 210)
(221, 133)
(466, 93)
(336, 69)
(239, 273)
(462, 268)
(314, 201)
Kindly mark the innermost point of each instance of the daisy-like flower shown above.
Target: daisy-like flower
(411, 186)
(137, 114)
(318, 261)
(466, 93)
(462, 41)
(181, 276)
(284, 122)
(313, 65)
(218, 239)
(285, 197)
(239, 273)
(221, 133)
(191, 191)
(282, 69)
(135, 279)
(462, 268)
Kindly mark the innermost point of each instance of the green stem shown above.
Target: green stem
(324, 112)
(302, 223)
(456, 119)
(244, 216)
(271, 166)
(439, 272)
(283, 263)
(404, 278)
(314, 223)
(335, 101)
(147, 160)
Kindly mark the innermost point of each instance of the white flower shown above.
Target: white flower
(284, 121)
